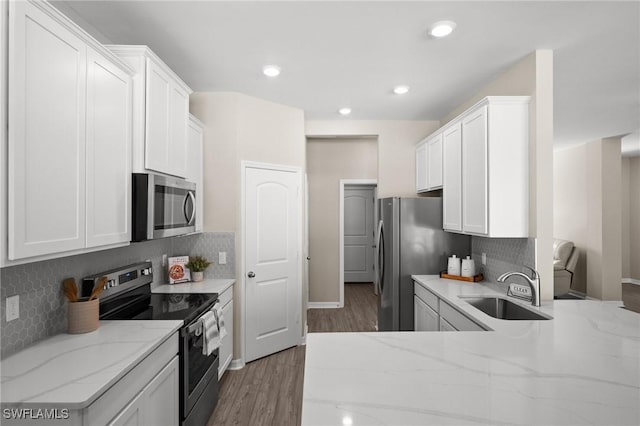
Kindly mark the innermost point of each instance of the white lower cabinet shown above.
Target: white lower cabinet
(434, 314)
(226, 348)
(425, 318)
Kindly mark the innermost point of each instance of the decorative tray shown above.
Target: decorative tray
(473, 279)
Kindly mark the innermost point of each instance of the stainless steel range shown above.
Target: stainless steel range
(127, 296)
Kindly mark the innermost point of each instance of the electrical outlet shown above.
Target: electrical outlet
(222, 258)
(13, 308)
(164, 260)
(484, 258)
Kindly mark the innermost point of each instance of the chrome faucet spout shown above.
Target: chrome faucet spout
(533, 281)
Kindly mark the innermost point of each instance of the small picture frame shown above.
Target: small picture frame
(178, 272)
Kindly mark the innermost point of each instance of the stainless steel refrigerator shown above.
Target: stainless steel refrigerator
(410, 242)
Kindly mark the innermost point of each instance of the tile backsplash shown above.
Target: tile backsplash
(503, 254)
(43, 309)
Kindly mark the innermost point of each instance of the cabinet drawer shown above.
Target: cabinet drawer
(426, 296)
(226, 296)
(458, 320)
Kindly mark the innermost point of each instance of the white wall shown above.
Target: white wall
(532, 76)
(237, 128)
(588, 210)
(631, 218)
(329, 161)
(396, 148)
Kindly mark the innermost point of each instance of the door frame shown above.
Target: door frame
(244, 165)
(348, 182)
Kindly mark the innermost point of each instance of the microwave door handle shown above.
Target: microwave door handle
(189, 217)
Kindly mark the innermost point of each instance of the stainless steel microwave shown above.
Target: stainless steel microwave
(163, 206)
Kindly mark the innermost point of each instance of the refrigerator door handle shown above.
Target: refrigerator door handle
(381, 256)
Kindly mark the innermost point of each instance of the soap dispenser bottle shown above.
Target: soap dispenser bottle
(454, 265)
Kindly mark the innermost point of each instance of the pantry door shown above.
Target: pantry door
(272, 267)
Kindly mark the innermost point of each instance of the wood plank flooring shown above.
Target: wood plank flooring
(268, 391)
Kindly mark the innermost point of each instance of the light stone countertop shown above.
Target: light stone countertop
(73, 370)
(581, 367)
(215, 285)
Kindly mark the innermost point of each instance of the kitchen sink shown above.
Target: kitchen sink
(504, 309)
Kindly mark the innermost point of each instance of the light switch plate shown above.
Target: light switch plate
(484, 258)
(222, 258)
(13, 308)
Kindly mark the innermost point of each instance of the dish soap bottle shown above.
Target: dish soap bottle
(468, 267)
(454, 265)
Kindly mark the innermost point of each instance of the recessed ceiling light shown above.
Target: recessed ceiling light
(442, 28)
(344, 111)
(271, 70)
(401, 90)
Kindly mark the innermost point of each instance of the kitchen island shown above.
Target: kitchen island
(581, 367)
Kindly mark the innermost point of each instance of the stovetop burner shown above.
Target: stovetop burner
(127, 295)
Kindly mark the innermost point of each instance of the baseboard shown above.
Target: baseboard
(631, 281)
(323, 305)
(236, 364)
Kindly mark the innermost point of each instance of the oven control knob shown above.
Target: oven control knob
(146, 271)
(111, 283)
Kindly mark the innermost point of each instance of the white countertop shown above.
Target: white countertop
(582, 367)
(215, 285)
(73, 370)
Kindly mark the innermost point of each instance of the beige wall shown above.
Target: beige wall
(570, 194)
(238, 128)
(588, 210)
(532, 76)
(329, 161)
(631, 218)
(396, 148)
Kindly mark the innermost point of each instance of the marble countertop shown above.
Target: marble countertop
(73, 370)
(215, 285)
(581, 367)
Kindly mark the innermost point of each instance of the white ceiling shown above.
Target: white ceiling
(335, 54)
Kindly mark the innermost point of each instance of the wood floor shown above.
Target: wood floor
(268, 391)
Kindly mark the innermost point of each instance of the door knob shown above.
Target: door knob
(251, 274)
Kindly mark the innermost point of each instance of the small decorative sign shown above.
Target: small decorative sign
(178, 272)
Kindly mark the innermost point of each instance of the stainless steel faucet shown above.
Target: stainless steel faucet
(534, 283)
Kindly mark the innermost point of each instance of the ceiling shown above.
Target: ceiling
(353, 53)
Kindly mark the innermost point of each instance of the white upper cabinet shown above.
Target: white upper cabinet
(490, 143)
(161, 113)
(474, 172)
(108, 152)
(195, 165)
(429, 164)
(434, 162)
(68, 157)
(452, 177)
(421, 167)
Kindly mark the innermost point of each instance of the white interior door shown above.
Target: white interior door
(272, 260)
(358, 234)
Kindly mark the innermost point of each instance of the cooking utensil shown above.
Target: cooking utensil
(70, 289)
(99, 287)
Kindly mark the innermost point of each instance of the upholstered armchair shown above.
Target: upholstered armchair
(565, 258)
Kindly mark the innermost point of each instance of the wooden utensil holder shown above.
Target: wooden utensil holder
(83, 316)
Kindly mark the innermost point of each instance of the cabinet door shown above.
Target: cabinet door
(421, 167)
(179, 110)
(161, 397)
(425, 318)
(108, 152)
(434, 162)
(226, 351)
(474, 172)
(195, 169)
(132, 414)
(157, 128)
(46, 148)
(452, 178)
